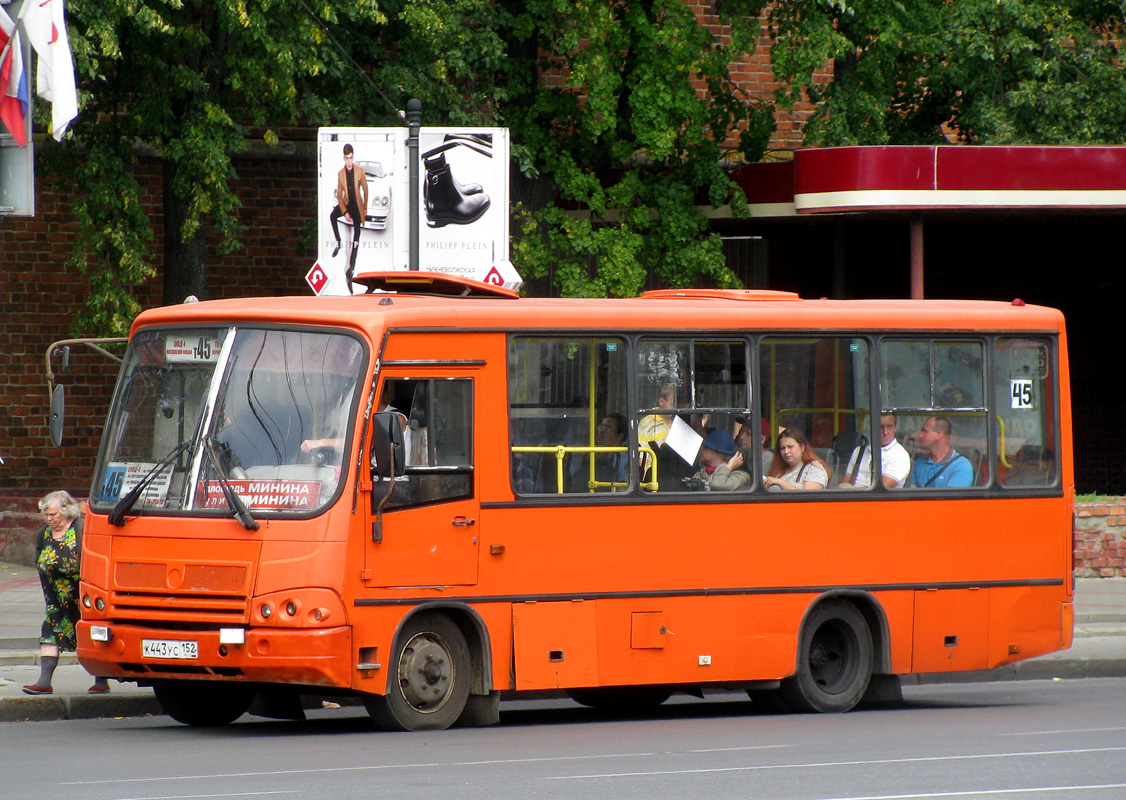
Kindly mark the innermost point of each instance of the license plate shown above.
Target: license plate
(170, 648)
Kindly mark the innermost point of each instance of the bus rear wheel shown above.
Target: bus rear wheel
(834, 660)
(204, 704)
(430, 685)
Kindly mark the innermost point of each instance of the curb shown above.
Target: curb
(30, 658)
(1033, 670)
(45, 709)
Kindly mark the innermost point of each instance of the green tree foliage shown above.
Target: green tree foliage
(622, 112)
(188, 78)
(627, 135)
(624, 109)
(981, 71)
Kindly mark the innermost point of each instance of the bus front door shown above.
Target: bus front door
(429, 529)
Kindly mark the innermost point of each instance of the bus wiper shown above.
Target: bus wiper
(117, 515)
(233, 500)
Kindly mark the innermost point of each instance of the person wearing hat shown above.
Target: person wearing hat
(721, 463)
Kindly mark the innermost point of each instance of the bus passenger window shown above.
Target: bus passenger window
(691, 390)
(936, 388)
(1026, 412)
(817, 388)
(437, 422)
(568, 434)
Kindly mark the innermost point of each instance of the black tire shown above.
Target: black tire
(621, 699)
(834, 660)
(204, 704)
(430, 683)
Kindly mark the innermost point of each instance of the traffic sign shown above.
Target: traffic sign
(316, 278)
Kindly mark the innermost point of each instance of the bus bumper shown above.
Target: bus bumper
(309, 657)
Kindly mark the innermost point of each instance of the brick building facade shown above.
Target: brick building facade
(277, 188)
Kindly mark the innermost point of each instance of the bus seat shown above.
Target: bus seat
(981, 467)
(844, 443)
(1032, 465)
(832, 463)
(979, 470)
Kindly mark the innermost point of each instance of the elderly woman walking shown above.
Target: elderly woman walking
(58, 550)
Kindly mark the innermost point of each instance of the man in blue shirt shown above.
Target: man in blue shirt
(940, 466)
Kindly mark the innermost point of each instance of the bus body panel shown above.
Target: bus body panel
(585, 591)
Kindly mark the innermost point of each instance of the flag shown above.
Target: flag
(45, 26)
(14, 95)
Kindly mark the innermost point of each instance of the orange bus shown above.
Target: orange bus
(438, 493)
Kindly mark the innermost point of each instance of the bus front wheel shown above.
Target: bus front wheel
(430, 686)
(834, 660)
(204, 704)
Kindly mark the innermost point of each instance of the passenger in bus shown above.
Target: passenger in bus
(655, 427)
(796, 466)
(721, 465)
(612, 467)
(895, 463)
(745, 441)
(939, 465)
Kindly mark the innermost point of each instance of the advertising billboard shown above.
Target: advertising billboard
(364, 209)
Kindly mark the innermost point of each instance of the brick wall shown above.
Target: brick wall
(19, 522)
(1100, 539)
(755, 77)
(39, 292)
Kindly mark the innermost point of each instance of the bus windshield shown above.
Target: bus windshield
(274, 406)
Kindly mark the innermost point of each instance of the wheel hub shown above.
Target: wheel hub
(426, 672)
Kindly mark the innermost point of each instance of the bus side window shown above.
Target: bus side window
(1026, 412)
(561, 390)
(818, 388)
(937, 387)
(435, 422)
(703, 383)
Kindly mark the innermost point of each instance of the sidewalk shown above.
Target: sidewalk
(21, 614)
(1099, 651)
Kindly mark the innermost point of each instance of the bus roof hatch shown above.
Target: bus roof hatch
(432, 283)
(720, 294)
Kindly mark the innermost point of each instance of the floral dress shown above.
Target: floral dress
(58, 566)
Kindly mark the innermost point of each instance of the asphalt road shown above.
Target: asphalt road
(1020, 739)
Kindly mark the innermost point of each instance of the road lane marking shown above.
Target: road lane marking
(981, 792)
(1073, 730)
(603, 756)
(733, 749)
(916, 760)
(371, 767)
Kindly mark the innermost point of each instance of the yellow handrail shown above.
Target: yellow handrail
(561, 451)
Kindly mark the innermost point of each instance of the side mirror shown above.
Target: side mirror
(58, 415)
(388, 454)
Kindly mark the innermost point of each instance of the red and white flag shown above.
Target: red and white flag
(45, 26)
(14, 94)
